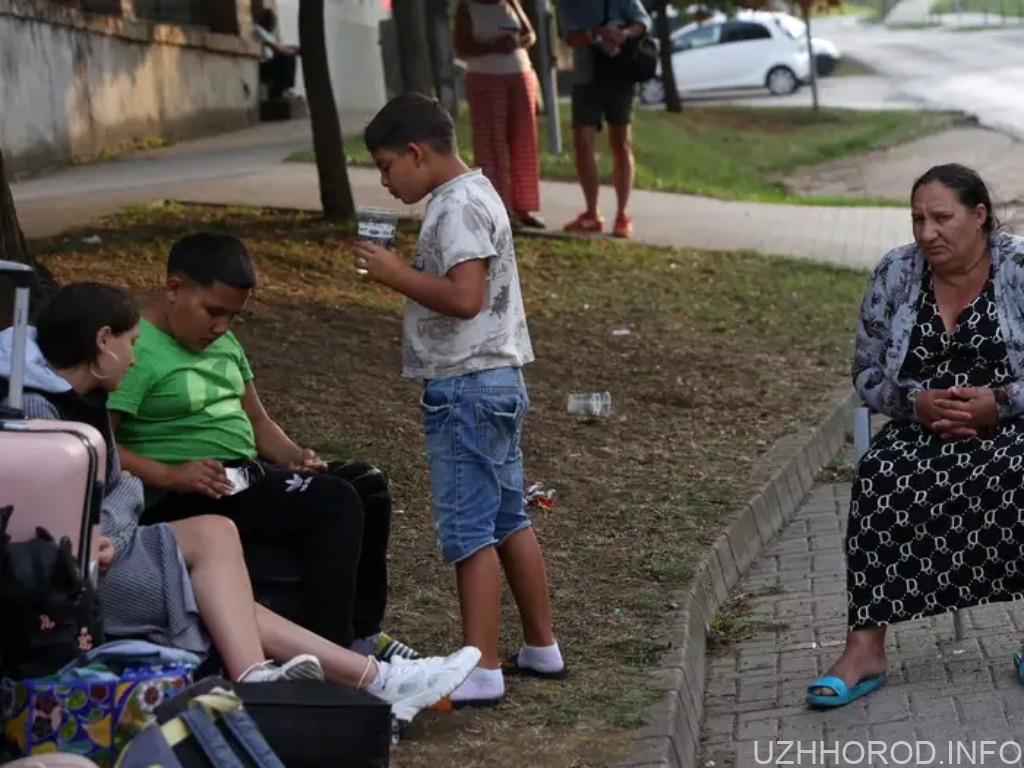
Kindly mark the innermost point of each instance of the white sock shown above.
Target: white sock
(546, 658)
(481, 685)
(365, 646)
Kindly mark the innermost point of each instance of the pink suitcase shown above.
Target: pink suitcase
(52, 472)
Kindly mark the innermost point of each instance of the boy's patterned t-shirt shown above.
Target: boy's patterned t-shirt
(466, 219)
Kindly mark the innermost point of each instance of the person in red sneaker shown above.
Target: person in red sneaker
(593, 29)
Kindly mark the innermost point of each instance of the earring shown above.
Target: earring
(97, 374)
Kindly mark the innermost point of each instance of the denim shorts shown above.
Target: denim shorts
(473, 424)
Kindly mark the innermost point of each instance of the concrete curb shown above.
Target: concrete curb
(672, 736)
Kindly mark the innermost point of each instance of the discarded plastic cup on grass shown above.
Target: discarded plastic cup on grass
(377, 225)
(590, 404)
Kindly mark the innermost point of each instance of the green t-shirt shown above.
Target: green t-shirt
(177, 405)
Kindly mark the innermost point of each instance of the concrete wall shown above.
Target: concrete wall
(74, 86)
(352, 29)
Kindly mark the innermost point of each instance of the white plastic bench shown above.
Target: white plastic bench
(861, 443)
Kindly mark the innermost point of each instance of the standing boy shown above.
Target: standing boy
(465, 336)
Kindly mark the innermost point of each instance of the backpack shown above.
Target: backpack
(51, 612)
(635, 62)
(204, 726)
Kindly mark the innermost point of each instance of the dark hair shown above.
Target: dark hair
(968, 186)
(267, 19)
(66, 328)
(206, 258)
(411, 118)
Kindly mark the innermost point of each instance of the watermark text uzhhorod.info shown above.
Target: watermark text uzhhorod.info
(822, 753)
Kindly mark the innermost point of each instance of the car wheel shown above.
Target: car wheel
(825, 65)
(781, 81)
(652, 91)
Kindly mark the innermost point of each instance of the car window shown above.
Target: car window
(740, 31)
(708, 34)
(791, 25)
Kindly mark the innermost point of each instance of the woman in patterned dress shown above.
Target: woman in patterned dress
(185, 584)
(936, 518)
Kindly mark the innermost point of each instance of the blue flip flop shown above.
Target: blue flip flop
(843, 695)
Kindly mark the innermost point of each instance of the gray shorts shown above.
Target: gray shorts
(594, 104)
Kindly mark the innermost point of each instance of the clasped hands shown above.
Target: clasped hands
(611, 39)
(958, 412)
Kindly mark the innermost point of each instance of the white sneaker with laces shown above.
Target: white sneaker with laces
(304, 667)
(410, 686)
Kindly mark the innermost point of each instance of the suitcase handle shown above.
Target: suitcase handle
(22, 275)
(19, 274)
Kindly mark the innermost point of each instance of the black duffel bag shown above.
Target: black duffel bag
(312, 724)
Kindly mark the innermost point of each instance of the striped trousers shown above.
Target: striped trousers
(503, 117)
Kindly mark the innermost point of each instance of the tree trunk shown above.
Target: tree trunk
(673, 102)
(328, 145)
(806, 12)
(413, 50)
(14, 248)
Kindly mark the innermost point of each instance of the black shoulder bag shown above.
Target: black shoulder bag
(635, 62)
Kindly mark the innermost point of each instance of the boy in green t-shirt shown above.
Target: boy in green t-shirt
(191, 426)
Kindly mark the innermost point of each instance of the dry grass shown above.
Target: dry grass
(725, 353)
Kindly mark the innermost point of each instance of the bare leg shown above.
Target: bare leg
(863, 657)
(585, 144)
(620, 141)
(523, 561)
(282, 640)
(479, 584)
(222, 588)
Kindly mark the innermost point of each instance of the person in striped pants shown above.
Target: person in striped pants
(492, 37)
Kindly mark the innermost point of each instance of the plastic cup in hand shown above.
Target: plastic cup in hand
(377, 225)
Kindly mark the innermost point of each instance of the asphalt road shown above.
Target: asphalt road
(980, 72)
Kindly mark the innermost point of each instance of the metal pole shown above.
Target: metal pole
(549, 85)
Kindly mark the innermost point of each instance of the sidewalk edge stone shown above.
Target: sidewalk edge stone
(671, 737)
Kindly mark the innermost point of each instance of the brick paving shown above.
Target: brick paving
(940, 694)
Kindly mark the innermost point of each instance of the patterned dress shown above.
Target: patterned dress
(936, 526)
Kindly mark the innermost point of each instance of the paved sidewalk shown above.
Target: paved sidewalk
(247, 168)
(938, 692)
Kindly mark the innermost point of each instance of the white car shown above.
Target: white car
(826, 53)
(733, 54)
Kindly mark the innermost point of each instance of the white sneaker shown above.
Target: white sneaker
(305, 667)
(410, 686)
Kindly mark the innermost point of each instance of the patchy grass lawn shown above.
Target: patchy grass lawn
(725, 352)
(1011, 9)
(733, 153)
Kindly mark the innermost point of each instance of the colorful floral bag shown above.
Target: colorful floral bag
(93, 710)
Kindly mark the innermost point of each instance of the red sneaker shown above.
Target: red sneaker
(623, 226)
(585, 222)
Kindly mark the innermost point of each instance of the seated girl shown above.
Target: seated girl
(184, 584)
